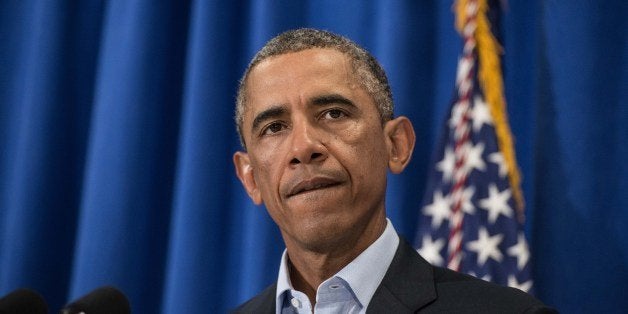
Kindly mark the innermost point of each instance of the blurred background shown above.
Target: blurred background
(116, 137)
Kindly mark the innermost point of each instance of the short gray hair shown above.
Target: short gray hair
(369, 72)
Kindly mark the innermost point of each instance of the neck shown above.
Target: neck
(309, 268)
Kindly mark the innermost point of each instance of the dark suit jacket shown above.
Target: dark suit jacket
(412, 285)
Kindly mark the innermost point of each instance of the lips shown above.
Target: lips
(312, 185)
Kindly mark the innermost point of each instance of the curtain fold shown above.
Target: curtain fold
(127, 194)
(117, 133)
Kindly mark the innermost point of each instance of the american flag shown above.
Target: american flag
(470, 220)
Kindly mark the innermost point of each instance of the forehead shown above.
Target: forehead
(279, 79)
(317, 57)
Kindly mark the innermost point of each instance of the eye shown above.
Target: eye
(334, 114)
(273, 128)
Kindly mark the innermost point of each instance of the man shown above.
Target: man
(314, 114)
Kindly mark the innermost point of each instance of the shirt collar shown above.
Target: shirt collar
(283, 281)
(363, 274)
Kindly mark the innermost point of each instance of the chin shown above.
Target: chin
(323, 235)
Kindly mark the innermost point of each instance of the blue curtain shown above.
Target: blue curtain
(116, 137)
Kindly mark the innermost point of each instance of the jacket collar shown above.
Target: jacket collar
(408, 284)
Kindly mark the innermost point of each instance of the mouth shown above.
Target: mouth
(313, 184)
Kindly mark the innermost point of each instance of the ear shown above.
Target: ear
(244, 171)
(400, 139)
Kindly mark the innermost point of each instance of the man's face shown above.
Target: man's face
(316, 153)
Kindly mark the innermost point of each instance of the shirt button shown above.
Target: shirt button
(295, 302)
(334, 287)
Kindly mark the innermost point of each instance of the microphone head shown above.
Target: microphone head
(23, 301)
(104, 300)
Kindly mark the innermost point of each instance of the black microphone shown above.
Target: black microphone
(23, 301)
(104, 300)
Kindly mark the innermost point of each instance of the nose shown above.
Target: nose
(307, 146)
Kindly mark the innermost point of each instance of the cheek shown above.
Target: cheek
(368, 142)
(263, 174)
(268, 176)
(367, 152)
(267, 173)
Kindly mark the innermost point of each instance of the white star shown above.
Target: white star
(520, 251)
(524, 286)
(467, 204)
(486, 246)
(474, 158)
(457, 113)
(430, 250)
(480, 114)
(465, 196)
(498, 158)
(496, 203)
(446, 166)
(439, 209)
(486, 277)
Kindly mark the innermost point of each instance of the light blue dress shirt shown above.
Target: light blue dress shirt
(348, 291)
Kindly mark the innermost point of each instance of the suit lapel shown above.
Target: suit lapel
(262, 303)
(267, 301)
(407, 286)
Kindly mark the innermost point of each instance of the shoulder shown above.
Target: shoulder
(413, 285)
(460, 291)
(264, 302)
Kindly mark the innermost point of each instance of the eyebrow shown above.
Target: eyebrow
(270, 113)
(331, 99)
